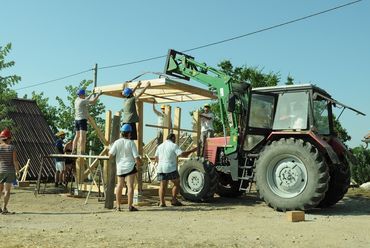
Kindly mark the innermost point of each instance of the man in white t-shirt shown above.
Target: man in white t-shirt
(127, 158)
(166, 159)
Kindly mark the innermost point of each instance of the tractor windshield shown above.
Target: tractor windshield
(291, 111)
(321, 115)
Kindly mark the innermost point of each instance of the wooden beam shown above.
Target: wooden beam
(165, 90)
(181, 129)
(108, 129)
(139, 143)
(167, 122)
(109, 198)
(98, 132)
(95, 162)
(196, 137)
(177, 124)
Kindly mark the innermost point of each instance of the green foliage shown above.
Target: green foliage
(361, 171)
(253, 75)
(289, 80)
(65, 115)
(341, 132)
(6, 94)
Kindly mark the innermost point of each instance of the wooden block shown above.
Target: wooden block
(295, 216)
(23, 184)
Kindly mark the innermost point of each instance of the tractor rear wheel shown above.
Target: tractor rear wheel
(340, 178)
(198, 180)
(291, 174)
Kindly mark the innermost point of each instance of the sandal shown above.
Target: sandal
(117, 209)
(5, 212)
(132, 209)
(161, 205)
(176, 203)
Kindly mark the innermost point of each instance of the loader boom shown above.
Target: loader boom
(227, 89)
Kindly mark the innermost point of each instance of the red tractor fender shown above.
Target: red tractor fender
(211, 146)
(309, 136)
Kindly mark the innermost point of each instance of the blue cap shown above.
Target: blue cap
(126, 128)
(127, 92)
(81, 92)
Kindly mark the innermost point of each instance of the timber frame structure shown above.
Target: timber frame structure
(161, 91)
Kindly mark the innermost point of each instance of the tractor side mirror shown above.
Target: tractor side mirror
(231, 103)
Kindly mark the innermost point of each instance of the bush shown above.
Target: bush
(361, 171)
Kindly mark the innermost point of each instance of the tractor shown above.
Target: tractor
(281, 138)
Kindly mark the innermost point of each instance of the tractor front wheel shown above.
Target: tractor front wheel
(198, 180)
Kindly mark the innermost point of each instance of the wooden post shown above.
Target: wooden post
(196, 137)
(167, 122)
(139, 143)
(111, 183)
(177, 124)
(108, 129)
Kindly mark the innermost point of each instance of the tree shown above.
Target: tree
(65, 115)
(6, 94)
(361, 171)
(253, 75)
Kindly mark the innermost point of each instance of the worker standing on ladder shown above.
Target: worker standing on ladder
(130, 115)
(81, 114)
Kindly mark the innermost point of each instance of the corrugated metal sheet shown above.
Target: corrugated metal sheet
(32, 138)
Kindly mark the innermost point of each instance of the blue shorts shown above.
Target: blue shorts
(81, 125)
(7, 177)
(168, 176)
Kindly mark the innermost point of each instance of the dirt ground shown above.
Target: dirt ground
(54, 220)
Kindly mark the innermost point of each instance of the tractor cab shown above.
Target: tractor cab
(288, 109)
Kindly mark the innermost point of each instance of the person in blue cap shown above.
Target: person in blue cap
(130, 115)
(81, 114)
(127, 159)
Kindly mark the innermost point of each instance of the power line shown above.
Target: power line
(206, 45)
(238, 37)
(57, 79)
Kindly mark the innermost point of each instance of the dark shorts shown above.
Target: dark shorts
(168, 176)
(134, 132)
(134, 170)
(81, 125)
(7, 177)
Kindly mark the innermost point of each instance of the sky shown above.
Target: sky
(53, 39)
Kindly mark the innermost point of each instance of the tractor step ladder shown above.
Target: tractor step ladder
(247, 174)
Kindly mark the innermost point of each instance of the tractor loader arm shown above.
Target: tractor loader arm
(227, 89)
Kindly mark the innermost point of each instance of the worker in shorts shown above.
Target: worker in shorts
(166, 159)
(130, 115)
(59, 162)
(81, 115)
(127, 160)
(9, 168)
